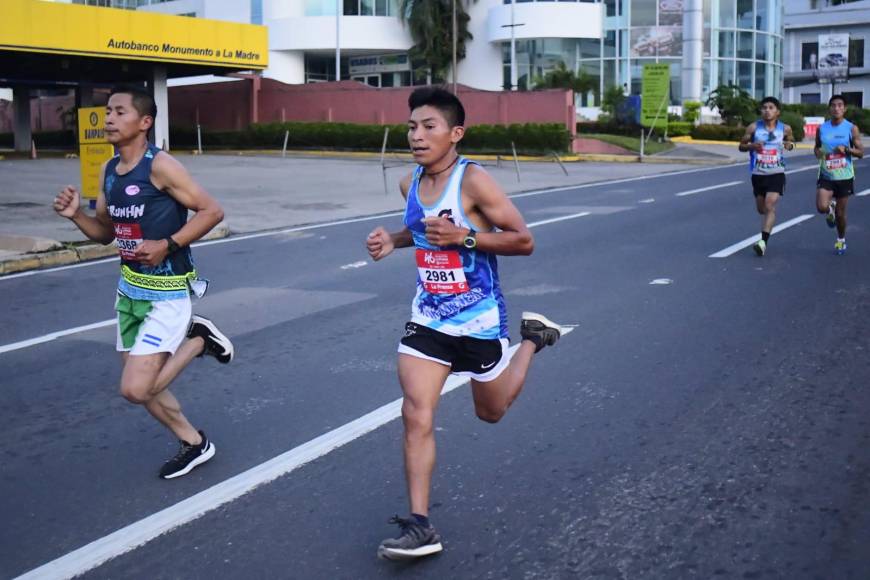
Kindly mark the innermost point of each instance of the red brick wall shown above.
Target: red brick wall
(228, 105)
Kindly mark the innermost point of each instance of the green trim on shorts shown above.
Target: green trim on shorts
(131, 315)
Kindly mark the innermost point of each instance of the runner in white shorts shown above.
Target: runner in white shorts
(143, 207)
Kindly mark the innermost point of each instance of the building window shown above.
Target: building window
(856, 52)
(809, 55)
(811, 98)
(855, 99)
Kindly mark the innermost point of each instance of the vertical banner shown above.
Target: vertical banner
(94, 150)
(655, 95)
(833, 64)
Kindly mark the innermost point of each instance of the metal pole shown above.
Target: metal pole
(641, 144)
(337, 37)
(559, 161)
(516, 161)
(384, 167)
(198, 139)
(455, 27)
(514, 76)
(286, 137)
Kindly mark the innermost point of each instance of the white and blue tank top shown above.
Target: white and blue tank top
(458, 291)
(770, 159)
(140, 211)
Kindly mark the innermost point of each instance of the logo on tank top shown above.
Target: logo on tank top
(131, 189)
(447, 213)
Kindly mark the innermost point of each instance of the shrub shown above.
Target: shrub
(680, 129)
(48, 139)
(718, 132)
(796, 122)
(691, 111)
(529, 138)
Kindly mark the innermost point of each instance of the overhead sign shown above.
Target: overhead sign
(655, 95)
(94, 150)
(51, 27)
(378, 64)
(833, 63)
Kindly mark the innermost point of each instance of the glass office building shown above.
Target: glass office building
(742, 45)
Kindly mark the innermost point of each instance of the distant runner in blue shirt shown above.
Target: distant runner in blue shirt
(766, 140)
(837, 142)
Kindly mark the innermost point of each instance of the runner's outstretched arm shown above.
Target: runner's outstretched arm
(97, 228)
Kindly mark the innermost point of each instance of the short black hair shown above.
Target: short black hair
(773, 100)
(837, 98)
(143, 102)
(446, 102)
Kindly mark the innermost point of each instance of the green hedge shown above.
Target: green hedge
(796, 122)
(718, 132)
(860, 117)
(680, 128)
(529, 138)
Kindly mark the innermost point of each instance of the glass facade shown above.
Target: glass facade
(743, 45)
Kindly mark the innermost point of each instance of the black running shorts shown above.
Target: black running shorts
(841, 187)
(481, 359)
(764, 184)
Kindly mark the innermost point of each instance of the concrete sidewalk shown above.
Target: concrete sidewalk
(258, 192)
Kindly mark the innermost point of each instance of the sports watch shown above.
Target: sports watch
(171, 245)
(470, 241)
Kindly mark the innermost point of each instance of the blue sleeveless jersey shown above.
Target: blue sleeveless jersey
(471, 307)
(835, 166)
(770, 160)
(140, 211)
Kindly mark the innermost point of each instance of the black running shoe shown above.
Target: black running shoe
(414, 541)
(540, 330)
(188, 457)
(216, 342)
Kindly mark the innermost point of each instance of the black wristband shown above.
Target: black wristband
(172, 245)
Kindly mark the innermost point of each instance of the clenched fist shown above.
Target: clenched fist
(66, 204)
(379, 244)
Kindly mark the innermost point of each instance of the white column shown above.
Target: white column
(160, 93)
(21, 118)
(693, 49)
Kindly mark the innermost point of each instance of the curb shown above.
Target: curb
(78, 254)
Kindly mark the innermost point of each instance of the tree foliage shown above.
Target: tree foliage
(562, 78)
(735, 105)
(430, 23)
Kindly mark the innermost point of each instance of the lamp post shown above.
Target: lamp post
(512, 26)
(337, 40)
(455, 27)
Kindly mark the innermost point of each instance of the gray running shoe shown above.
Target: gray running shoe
(831, 218)
(540, 330)
(413, 541)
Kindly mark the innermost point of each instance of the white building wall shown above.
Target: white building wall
(544, 20)
(482, 66)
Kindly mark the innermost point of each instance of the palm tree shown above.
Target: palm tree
(431, 25)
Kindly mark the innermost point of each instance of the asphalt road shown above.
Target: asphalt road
(713, 426)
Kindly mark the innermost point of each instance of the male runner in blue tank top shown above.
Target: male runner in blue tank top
(766, 139)
(458, 219)
(142, 206)
(837, 142)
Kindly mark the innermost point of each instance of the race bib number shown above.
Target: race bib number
(835, 161)
(769, 157)
(441, 271)
(127, 237)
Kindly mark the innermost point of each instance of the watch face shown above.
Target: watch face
(470, 242)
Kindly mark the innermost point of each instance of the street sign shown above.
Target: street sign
(655, 95)
(94, 150)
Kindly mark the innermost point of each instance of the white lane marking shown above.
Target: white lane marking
(699, 190)
(863, 193)
(648, 200)
(804, 168)
(143, 531)
(662, 281)
(625, 180)
(559, 219)
(749, 241)
(359, 264)
(54, 335)
(240, 238)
